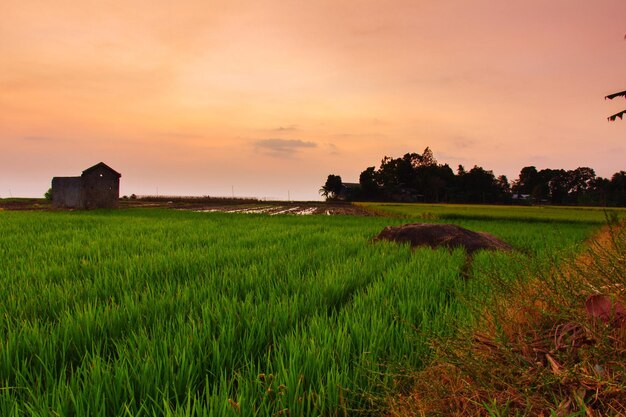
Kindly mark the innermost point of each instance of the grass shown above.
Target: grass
(550, 345)
(151, 312)
(542, 214)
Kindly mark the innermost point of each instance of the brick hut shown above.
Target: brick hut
(97, 187)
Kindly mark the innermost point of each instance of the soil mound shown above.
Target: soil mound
(442, 235)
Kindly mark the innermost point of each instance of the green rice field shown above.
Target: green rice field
(528, 214)
(156, 312)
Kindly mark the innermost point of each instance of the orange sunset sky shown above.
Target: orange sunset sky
(268, 97)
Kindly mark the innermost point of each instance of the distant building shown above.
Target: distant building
(97, 187)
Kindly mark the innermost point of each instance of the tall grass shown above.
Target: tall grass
(159, 313)
(552, 344)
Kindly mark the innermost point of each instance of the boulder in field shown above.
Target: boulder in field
(448, 236)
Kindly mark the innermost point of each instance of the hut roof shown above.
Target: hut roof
(101, 165)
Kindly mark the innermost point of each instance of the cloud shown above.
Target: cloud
(452, 158)
(290, 128)
(282, 147)
(332, 149)
(462, 142)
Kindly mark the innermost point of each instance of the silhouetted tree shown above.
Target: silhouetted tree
(549, 180)
(480, 186)
(434, 182)
(558, 186)
(528, 179)
(397, 176)
(370, 188)
(428, 159)
(415, 177)
(504, 189)
(332, 188)
(618, 189)
(503, 182)
(599, 192)
(579, 183)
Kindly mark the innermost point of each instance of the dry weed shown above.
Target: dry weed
(548, 346)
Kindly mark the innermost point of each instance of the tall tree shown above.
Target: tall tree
(397, 176)
(580, 180)
(332, 188)
(428, 159)
(558, 186)
(618, 188)
(528, 179)
(414, 177)
(503, 183)
(370, 188)
(480, 186)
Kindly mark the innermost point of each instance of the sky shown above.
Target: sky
(266, 98)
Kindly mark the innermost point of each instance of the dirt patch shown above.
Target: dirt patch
(442, 235)
(272, 210)
(213, 205)
(278, 208)
(25, 204)
(248, 205)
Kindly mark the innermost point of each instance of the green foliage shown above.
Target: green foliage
(168, 313)
(48, 194)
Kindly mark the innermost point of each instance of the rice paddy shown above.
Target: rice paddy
(155, 312)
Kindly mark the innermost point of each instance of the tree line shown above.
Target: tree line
(418, 177)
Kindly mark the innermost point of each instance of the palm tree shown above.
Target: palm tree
(332, 188)
(611, 97)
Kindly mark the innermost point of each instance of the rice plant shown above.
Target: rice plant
(169, 313)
